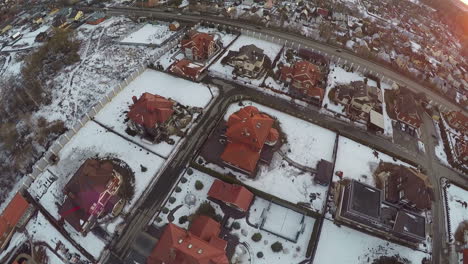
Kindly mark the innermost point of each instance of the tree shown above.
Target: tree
(277, 246)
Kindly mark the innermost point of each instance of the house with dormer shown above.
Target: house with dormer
(305, 78)
(249, 61)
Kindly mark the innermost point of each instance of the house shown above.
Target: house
(361, 203)
(14, 217)
(409, 226)
(187, 69)
(249, 61)
(461, 151)
(198, 46)
(233, 195)
(41, 37)
(407, 187)
(304, 77)
(322, 12)
(359, 99)
(248, 132)
(174, 26)
(457, 120)
(147, 3)
(324, 172)
(406, 110)
(198, 245)
(91, 193)
(96, 18)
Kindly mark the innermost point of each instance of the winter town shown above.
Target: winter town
(233, 132)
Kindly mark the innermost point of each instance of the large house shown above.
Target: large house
(458, 121)
(248, 132)
(361, 205)
(304, 77)
(249, 61)
(359, 99)
(232, 195)
(15, 216)
(156, 118)
(91, 193)
(200, 244)
(198, 46)
(461, 151)
(406, 111)
(407, 187)
(187, 69)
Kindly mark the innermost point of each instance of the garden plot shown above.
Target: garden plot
(224, 37)
(457, 211)
(186, 199)
(292, 252)
(359, 162)
(150, 34)
(187, 93)
(283, 221)
(95, 141)
(225, 71)
(346, 245)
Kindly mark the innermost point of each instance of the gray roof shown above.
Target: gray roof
(365, 199)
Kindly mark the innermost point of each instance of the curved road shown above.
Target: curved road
(437, 99)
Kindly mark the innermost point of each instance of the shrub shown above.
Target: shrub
(172, 200)
(206, 209)
(178, 189)
(183, 219)
(236, 225)
(198, 185)
(259, 254)
(277, 246)
(189, 171)
(165, 210)
(158, 219)
(257, 237)
(183, 180)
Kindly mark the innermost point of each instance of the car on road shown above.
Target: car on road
(338, 50)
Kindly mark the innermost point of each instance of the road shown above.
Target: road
(439, 100)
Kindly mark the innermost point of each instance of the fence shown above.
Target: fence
(41, 165)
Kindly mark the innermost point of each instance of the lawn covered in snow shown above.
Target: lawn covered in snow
(358, 161)
(346, 245)
(225, 71)
(457, 212)
(185, 92)
(292, 252)
(150, 34)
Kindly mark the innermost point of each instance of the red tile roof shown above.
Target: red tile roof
(205, 227)
(304, 75)
(201, 44)
(11, 217)
(178, 246)
(150, 110)
(231, 194)
(186, 68)
(247, 132)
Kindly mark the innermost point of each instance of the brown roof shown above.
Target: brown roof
(11, 217)
(232, 194)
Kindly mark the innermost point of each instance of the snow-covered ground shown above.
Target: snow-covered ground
(185, 92)
(150, 34)
(457, 199)
(224, 37)
(346, 245)
(358, 161)
(188, 192)
(306, 145)
(292, 252)
(269, 49)
(439, 148)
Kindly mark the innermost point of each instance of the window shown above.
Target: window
(401, 194)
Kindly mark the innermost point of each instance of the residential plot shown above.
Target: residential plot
(457, 211)
(358, 248)
(150, 34)
(224, 37)
(187, 93)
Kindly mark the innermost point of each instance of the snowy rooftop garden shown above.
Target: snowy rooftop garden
(346, 245)
(184, 92)
(150, 34)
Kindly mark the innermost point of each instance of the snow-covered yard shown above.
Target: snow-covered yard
(184, 92)
(269, 49)
(150, 34)
(457, 199)
(346, 245)
(359, 162)
(293, 252)
(224, 37)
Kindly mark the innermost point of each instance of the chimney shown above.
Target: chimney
(134, 98)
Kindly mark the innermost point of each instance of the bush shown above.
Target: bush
(165, 210)
(236, 225)
(183, 180)
(183, 219)
(189, 171)
(259, 254)
(277, 246)
(206, 209)
(172, 200)
(199, 185)
(178, 189)
(158, 219)
(257, 237)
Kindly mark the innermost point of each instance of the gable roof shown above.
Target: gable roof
(232, 194)
(11, 216)
(241, 156)
(179, 246)
(150, 110)
(205, 227)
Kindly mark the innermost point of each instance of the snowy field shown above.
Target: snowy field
(185, 92)
(306, 145)
(346, 245)
(188, 191)
(457, 212)
(292, 252)
(27, 40)
(269, 49)
(358, 161)
(150, 34)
